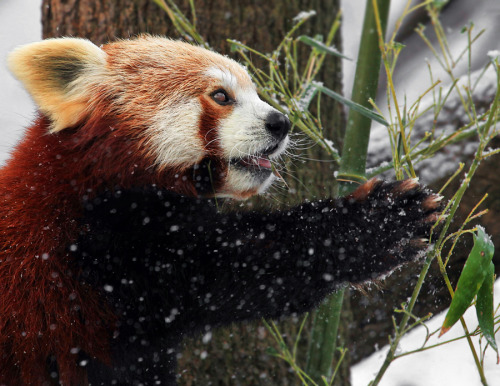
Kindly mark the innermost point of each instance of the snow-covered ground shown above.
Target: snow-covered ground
(447, 365)
(451, 364)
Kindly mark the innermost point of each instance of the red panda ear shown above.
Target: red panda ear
(60, 75)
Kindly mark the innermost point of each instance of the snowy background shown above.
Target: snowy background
(448, 365)
(451, 364)
(19, 24)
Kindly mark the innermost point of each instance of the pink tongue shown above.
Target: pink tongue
(265, 163)
(257, 161)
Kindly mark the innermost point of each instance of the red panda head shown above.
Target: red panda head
(182, 110)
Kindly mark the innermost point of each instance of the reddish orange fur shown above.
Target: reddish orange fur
(41, 188)
(37, 207)
(432, 202)
(363, 191)
(209, 120)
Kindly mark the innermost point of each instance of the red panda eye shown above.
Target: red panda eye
(221, 97)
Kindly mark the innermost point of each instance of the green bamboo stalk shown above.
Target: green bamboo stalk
(325, 327)
(324, 335)
(365, 85)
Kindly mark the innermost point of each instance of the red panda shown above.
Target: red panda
(111, 248)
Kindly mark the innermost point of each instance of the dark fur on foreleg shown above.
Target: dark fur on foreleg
(255, 264)
(177, 266)
(384, 225)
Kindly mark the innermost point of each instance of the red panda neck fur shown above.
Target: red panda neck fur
(34, 184)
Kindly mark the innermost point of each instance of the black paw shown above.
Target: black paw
(386, 225)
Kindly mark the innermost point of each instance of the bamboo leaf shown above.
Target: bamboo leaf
(399, 147)
(321, 47)
(352, 105)
(485, 308)
(308, 95)
(475, 269)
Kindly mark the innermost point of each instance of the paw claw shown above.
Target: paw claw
(406, 185)
(432, 202)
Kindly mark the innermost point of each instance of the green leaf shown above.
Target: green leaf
(475, 269)
(400, 147)
(485, 309)
(321, 47)
(352, 105)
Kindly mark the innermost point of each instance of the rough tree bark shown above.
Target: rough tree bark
(235, 355)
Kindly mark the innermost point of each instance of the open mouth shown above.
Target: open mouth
(257, 162)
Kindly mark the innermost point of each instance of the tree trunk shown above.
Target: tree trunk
(235, 355)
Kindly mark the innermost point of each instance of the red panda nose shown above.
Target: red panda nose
(278, 125)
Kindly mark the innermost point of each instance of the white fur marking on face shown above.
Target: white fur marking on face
(238, 180)
(266, 184)
(243, 132)
(225, 77)
(281, 148)
(174, 134)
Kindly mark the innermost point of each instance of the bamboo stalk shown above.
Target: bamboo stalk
(324, 335)
(365, 85)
